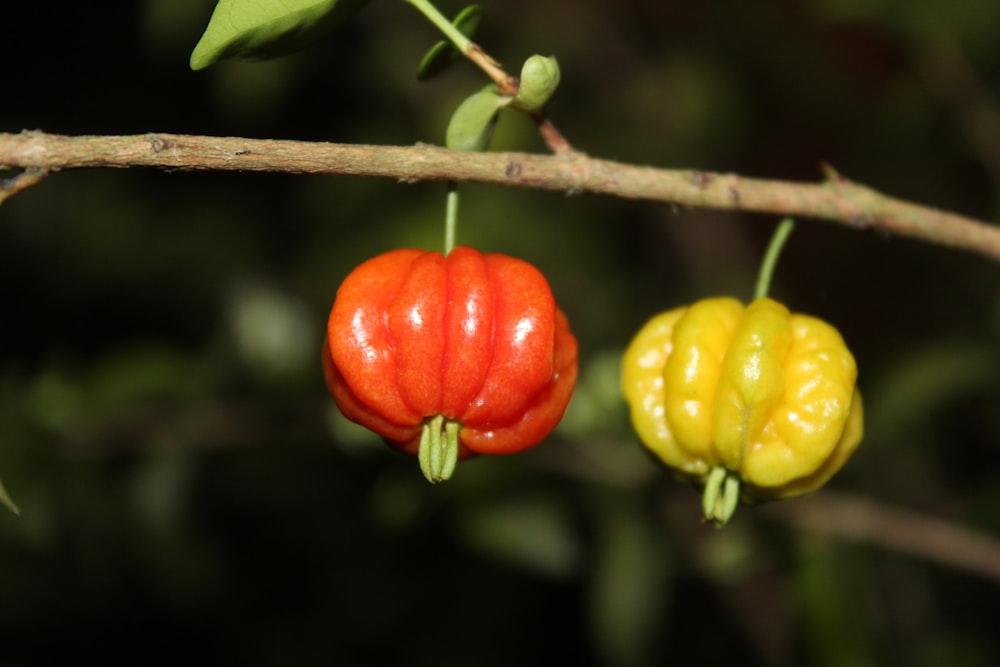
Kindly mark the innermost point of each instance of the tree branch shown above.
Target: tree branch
(936, 540)
(835, 198)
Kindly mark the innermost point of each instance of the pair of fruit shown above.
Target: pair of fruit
(450, 356)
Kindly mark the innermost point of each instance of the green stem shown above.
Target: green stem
(450, 217)
(777, 242)
(454, 35)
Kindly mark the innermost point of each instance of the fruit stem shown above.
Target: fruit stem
(774, 247)
(450, 217)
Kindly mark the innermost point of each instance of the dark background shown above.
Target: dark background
(188, 490)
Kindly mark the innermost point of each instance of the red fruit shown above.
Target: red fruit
(474, 338)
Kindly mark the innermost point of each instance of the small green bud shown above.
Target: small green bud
(539, 80)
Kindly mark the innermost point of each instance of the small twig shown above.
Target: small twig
(835, 198)
(23, 181)
(554, 139)
(929, 538)
(507, 85)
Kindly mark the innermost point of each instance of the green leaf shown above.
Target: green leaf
(471, 126)
(467, 21)
(262, 29)
(437, 60)
(444, 53)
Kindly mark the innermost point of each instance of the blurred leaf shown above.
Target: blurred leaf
(53, 400)
(444, 53)
(261, 29)
(6, 500)
(831, 613)
(532, 533)
(923, 381)
(127, 378)
(273, 332)
(730, 555)
(353, 439)
(159, 483)
(597, 404)
(142, 372)
(596, 421)
(630, 586)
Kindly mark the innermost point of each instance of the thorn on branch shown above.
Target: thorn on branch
(831, 175)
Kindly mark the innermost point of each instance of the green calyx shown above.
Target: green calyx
(438, 453)
(721, 495)
(539, 80)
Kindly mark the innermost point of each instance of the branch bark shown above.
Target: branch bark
(835, 198)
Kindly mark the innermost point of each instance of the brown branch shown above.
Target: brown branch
(835, 198)
(929, 538)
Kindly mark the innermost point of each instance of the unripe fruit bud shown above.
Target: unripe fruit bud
(539, 80)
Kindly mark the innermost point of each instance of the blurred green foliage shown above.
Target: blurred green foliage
(186, 484)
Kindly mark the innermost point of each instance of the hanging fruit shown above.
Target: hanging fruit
(450, 356)
(750, 402)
